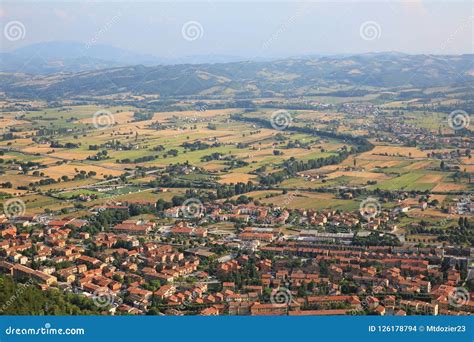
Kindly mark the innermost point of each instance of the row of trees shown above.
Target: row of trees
(292, 166)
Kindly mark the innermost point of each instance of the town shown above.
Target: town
(138, 266)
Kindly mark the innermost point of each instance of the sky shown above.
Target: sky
(249, 29)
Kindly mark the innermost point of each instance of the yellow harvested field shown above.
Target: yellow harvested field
(11, 122)
(213, 166)
(397, 150)
(467, 164)
(379, 164)
(421, 165)
(431, 179)
(69, 170)
(74, 154)
(440, 198)
(249, 139)
(449, 187)
(121, 117)
(43, 149)
(411, 201)
(18, 179)
(328, 168)
(47, 160)
(68, 185)
(17, 143)
(428, 213)
(7, 156)
(14, 192)
(58, 153)
(236, 178)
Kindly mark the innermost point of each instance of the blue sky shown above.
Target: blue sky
(247, 29)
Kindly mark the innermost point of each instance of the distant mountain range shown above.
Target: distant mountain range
(286, 77)
(54, 57)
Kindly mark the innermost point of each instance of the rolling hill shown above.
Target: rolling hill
(287, 77)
